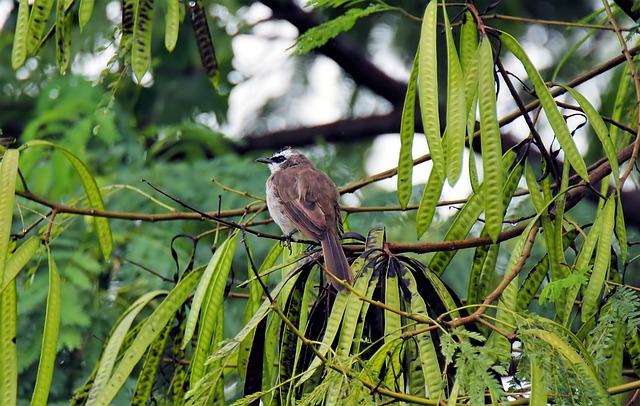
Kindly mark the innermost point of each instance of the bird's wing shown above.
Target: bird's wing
(309, 198)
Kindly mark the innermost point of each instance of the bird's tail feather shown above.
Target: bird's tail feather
(336, 261)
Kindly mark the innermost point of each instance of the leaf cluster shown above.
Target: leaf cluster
(400, 333)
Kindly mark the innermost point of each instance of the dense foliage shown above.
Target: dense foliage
(127, 276)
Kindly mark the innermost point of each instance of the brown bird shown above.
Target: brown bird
(303, 199)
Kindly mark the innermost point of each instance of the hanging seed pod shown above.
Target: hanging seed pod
(141, 50)
(203, 39)
(128, 19)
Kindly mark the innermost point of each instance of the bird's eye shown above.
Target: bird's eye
(278, 159)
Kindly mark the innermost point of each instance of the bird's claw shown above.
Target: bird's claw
(288, 239)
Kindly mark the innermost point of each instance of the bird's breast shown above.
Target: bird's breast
(277, 211)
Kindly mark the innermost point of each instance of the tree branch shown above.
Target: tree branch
(346, 130)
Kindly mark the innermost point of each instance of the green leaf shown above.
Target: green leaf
(582, 262)
(172, 24)
(534, 278)
(84, 12)
(599, 127)
(556, 289)
(115, 343)
(150, 330)
(473, 169)
(63, 37)
(213, 300)
(557, 122)
(616, 352)
(482, 272)
(558, 270)
(465, 219)
(538, 385)
(103, 229)
(8, 346)
(176, 393)
(319, 35)
(128, 21)
(19, 50)
(376, 363)
(149, 371)
(534, 189)
(392, 321)
(485, 259)
(395, 360)
(262, 312)
(407, 132)
(253, 304)
(37, 21)
(602, 260)
(141, 51)
(209, 277)
(428, 86)
(19, 259)
(50, 338)
(354, 309)
(429, 202)
(8, 177)
(554, 252)
(331, 331)
(295, 311)
(632, 344)
(470, 66)
(505, 318)
(621, 231)
(572, 356)
(375, 241)
(468, 43)
(270, 354)
(442, 293)
(428, 355)
(621, 103)
(490, 141)
(456, 111)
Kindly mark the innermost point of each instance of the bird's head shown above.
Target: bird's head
(284, 158)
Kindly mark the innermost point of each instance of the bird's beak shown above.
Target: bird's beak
(264, 160)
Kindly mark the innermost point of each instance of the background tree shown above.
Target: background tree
(530, 277)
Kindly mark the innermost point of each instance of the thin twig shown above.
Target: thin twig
(550, 22)
(497, 292)
(509, 336)
(237, 192)
(537, 139)
(636, 82)
(147, 269)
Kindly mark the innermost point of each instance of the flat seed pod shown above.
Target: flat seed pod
(141, 51)
(203, 39)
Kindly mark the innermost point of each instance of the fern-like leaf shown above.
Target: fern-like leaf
(321, 34)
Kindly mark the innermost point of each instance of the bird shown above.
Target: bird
(303, 200)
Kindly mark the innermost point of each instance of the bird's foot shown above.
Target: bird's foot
(288, 239)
